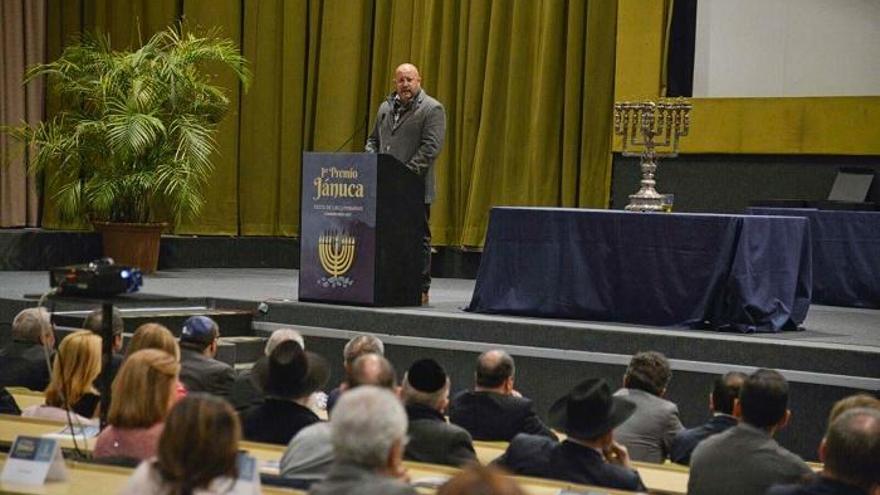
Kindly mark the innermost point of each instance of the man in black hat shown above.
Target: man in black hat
(199, 371)
(589, 455)
(293, 375)
(432, 439)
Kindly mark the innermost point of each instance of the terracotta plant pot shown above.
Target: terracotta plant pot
(132, 244)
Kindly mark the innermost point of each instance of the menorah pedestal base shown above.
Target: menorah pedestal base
(638, 202)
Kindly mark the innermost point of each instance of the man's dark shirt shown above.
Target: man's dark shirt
(533, 455)
(434, 440)
(276, 421)
(496, 417)
(687, 440)
(822, 486)
(199, 373)
(24, 365)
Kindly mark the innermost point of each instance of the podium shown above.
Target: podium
(361, 225)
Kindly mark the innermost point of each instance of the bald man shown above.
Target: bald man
(411, 126)
(494, 410)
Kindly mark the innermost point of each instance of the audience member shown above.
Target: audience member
(850, 452)
(649, 432)
(494, 410)
(200, 372)
(77, 365)
(157, 336)
(309, 455)
(746, 458)
(153, 336)
(293, 375)
(724, 391)
(480, 480)
(589, 455)
(247, 391)
(94, 322)
(432, 439)
(852, 402)
(355, 348)
(26, 359)
(368, 431)
(197, 451)
(145, 390)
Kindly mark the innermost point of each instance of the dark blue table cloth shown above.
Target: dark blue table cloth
(745, 273)
(846, 255)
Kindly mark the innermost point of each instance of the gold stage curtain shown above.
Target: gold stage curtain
(527, 86)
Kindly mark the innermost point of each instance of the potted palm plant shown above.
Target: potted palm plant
(130, 148)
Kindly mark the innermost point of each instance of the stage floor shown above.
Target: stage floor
(824, 324)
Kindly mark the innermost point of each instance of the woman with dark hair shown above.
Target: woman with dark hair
(197, 451)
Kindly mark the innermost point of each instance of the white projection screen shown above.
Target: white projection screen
(787, 48)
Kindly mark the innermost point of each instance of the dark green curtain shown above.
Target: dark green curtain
(527, 85)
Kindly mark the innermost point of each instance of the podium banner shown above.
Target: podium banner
(338, 227)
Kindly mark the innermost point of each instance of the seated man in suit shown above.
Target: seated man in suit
(589, 455)
(724, 391)
(309, 454)
(247, 391)
(26, 359)
(199, 371)
(745, 458)
(368, 431)
(494, 410)
(432, 439)
(649, 432)
(356, 347)
(850, 452)
(293, 375)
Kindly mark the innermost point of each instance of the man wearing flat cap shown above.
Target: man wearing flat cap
(293, 375)
(199, 371)
(589, 455)
(432, 439)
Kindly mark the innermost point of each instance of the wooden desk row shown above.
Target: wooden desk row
(111, 479)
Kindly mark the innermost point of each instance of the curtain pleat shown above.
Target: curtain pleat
(22, 42)
(527, 86)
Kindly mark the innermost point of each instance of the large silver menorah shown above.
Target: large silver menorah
(639, 124)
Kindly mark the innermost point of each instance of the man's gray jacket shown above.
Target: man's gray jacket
(415, 139)
(743, 459)
(649, 432)
(346, 478)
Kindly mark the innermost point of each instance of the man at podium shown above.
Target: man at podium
(411, 126)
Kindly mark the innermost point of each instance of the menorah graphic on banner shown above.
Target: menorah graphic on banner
(336, 253)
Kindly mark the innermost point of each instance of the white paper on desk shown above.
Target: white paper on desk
(248, 482)
(430, 481)
(33, 461)
(81, 431)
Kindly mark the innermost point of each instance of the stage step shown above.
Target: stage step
(232, 322)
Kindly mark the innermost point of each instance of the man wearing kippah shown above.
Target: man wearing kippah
(199, 371)
(432, 439)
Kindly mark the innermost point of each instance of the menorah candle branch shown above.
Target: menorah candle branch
(650, 125)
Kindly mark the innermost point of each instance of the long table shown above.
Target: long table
(747, 273)
(268, 456)
(846, 254)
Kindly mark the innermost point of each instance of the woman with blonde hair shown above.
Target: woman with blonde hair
(197, 451)
(77, 365)
(153, 336)
(143, 392)
(157, 336)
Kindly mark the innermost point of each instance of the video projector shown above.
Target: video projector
(99, 278)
